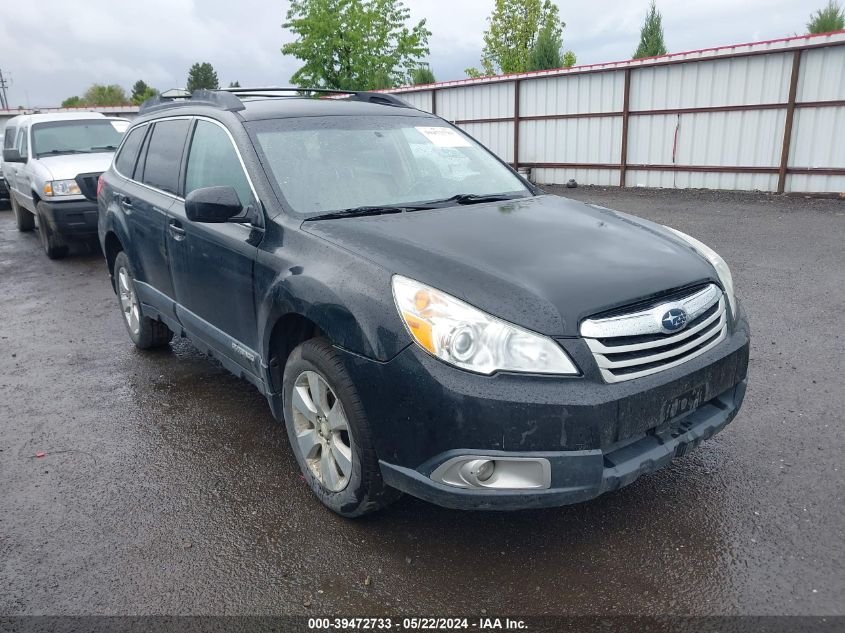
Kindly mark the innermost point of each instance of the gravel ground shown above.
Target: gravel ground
(168, 488)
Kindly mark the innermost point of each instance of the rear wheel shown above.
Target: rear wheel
(330, 434)
(144, 332)
(23, 218)
(52, 242)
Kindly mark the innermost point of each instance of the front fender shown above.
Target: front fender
(347, 297)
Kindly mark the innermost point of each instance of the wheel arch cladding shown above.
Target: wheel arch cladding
(112, 246)
(289, 331)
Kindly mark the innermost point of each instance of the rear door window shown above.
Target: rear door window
(9, 138)
(128, 155)
(213, 162)
(164, 154)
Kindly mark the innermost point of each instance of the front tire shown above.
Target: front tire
(144, 331)
(53, 243)
(329, 432)
(23, 218)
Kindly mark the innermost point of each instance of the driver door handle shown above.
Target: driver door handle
(176, 230)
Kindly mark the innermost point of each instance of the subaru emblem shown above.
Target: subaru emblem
(673, 320)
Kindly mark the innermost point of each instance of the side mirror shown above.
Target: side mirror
(213, 204)
(13, 156)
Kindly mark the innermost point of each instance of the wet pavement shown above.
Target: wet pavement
(168, 487)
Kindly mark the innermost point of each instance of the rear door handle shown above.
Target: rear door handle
(176, 230)
(126, 204)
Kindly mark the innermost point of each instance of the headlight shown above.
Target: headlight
(722, 270)
(61, 188)
(466, 337)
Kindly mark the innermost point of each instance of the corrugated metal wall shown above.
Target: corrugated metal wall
(767, 116)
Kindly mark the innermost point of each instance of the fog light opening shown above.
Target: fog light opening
(495, 472)
(477, 471)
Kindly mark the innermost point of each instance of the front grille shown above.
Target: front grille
(88, 185)
(628, 346)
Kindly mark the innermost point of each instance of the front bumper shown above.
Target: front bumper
(78, 217)
(596, 436)
(577, 475)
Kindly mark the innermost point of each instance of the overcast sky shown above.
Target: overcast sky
(51, 49)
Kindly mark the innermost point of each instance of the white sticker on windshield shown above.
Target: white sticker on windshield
(443, 136)
(120, 126)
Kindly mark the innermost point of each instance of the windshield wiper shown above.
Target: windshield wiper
(470, 198)
(105, 147)
(55, 152)
(357, 212)
(461, 198)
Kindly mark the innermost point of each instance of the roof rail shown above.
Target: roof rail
(229, 99)
(274, 91)
(351, 95)
(214, 98)
(380, 98)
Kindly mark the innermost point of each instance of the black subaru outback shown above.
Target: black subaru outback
(421, 318)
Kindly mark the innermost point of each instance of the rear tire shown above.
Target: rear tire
(329, 432)
(23, 218)
(144, 331)
(53, 243)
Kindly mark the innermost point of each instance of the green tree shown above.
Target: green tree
(513, 29)
(101, 96)
(831, 18)
(651, 35)
(235, 84)
(72, 102)
(422, 75)
(354, 44)
(569, 59)
(141, 92)
(546, 52)
(202, 76)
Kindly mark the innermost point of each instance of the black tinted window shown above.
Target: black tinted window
(164, 154)
(125, 161)
(213, 162)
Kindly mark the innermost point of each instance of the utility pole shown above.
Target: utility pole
(4, 102)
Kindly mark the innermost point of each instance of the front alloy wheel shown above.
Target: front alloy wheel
(329, 432)
(322, 431)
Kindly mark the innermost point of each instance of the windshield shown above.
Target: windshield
(73, 137)
(324, 164)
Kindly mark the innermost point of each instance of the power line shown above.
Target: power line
(4, 102)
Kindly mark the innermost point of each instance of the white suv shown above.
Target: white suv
(51, 163)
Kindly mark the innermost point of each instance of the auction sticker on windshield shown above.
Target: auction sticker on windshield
(443, 136)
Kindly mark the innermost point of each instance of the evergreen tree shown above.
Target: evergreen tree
(202, 77)
(422, 75)
(141, 92)
(546, 52)
(831, 18)
(651, 35)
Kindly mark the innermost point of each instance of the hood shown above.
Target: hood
(69, 166)
(544, 263)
